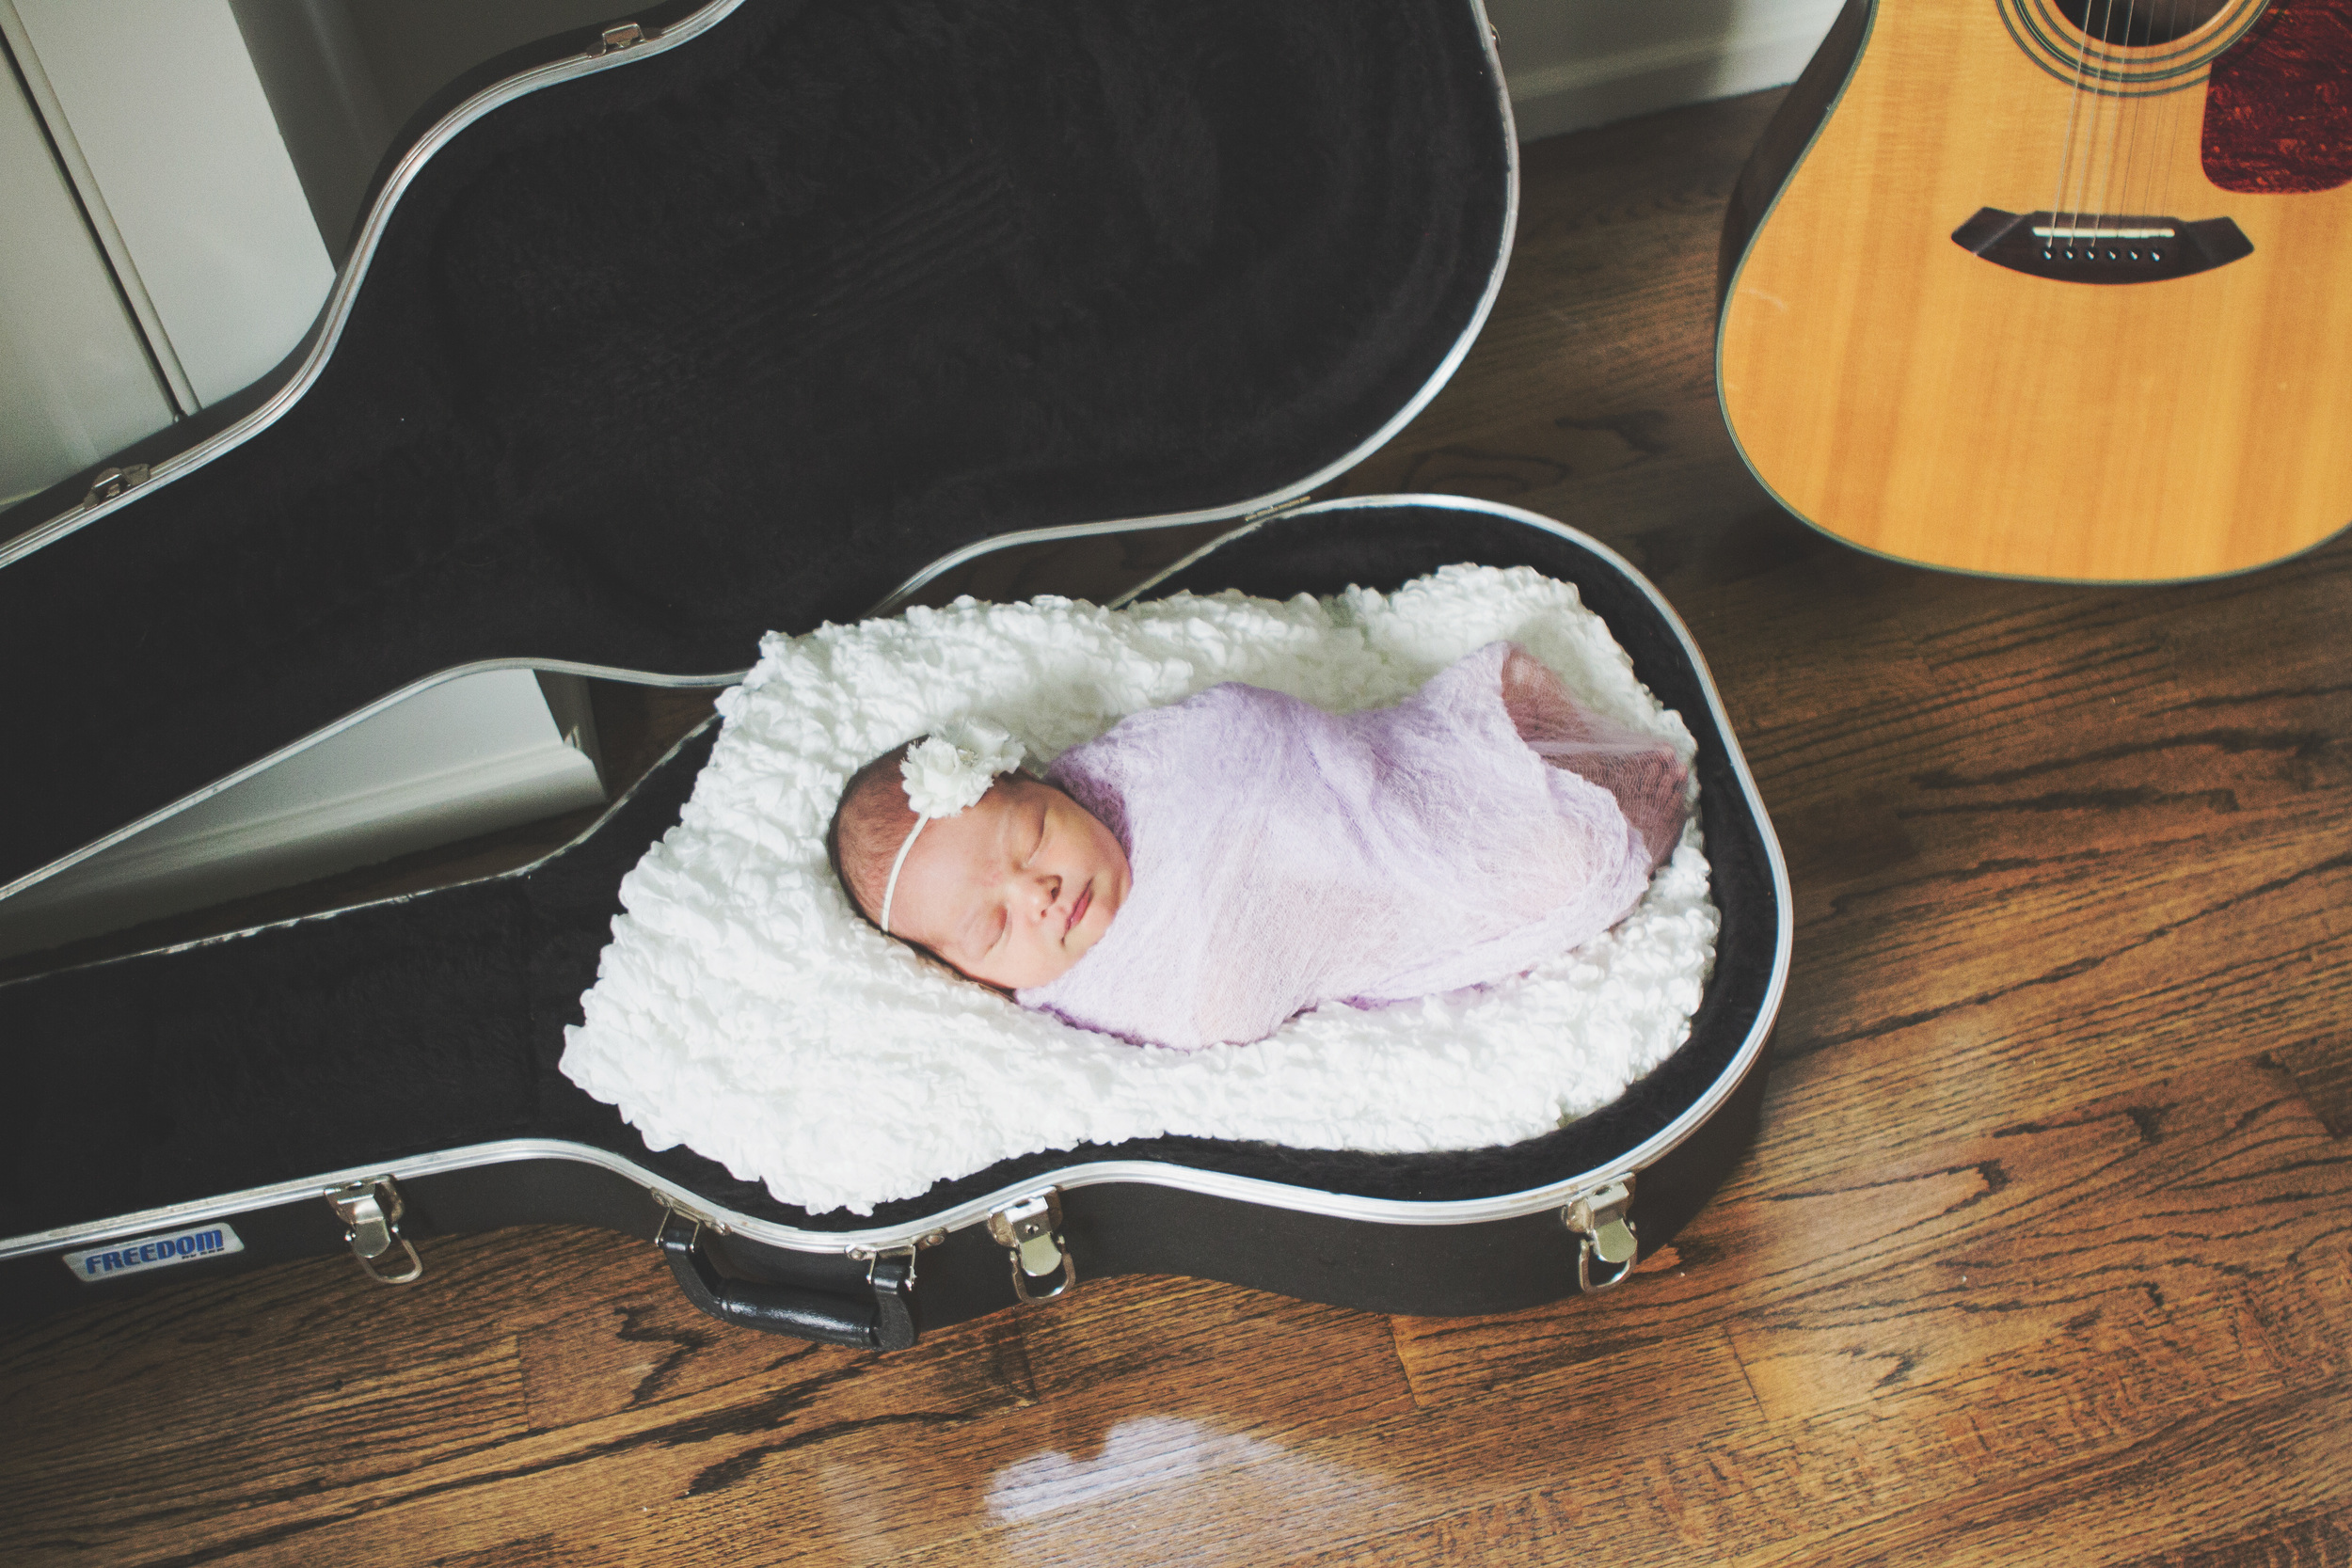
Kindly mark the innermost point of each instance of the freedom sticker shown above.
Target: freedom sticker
(153, 1252)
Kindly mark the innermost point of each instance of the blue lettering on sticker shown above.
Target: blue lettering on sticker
(154, 1252)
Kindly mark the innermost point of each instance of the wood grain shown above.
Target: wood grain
(2042, 1255)
(1901, 393)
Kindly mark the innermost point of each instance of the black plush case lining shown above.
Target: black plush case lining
(738, 336)
(406, 1029)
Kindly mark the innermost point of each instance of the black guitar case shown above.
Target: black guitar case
(749, 317)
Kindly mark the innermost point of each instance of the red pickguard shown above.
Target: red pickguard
(2278, 106)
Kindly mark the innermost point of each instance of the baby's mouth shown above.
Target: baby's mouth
(1078, 911)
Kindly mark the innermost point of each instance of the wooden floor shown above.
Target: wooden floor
(2044, 1254)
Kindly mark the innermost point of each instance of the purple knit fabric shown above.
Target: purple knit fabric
(1285, 857)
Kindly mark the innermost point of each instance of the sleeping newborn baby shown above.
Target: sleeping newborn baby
(1202, 872)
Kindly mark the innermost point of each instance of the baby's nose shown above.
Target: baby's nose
(1046, 889)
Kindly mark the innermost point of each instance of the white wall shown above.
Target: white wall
(161, 103)
(75, 382)
(1574, 63)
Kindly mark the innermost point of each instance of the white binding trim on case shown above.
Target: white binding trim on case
(1275, 1195)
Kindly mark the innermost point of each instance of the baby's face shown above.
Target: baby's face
(1014, 889)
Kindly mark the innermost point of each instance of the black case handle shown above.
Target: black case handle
(883, 1322)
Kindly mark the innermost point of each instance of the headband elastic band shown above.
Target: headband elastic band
(890, 889)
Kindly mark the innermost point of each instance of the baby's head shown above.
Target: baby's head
(1012, 890)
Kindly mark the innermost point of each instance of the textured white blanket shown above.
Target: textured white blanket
(744, 1010)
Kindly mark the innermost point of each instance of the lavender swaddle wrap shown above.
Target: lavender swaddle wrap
(1285, 857)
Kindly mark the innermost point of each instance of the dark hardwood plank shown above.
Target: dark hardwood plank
(2321, 1541)
(2176, 1190)
(1813, 1488)
(2187, 1480)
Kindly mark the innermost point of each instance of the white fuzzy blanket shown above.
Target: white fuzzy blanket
(742, 1008)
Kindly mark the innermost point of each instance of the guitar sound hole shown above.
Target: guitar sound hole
(2137, 24)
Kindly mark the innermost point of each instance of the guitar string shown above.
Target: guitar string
(2167, 121)
(2110, 110)
(2158, 126)
(2190, 101)
(2099, 166)
(2091, 186)
(2100, 163)
(2136, 123)
(2141, 121)
(2130, 117)
(2165, 130)
(2094, 24)
(2063, 218)
(2066, 143)
(2143, 124)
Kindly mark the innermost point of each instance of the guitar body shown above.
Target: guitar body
(1985, 410)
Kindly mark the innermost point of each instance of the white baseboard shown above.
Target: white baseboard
(1560, 81)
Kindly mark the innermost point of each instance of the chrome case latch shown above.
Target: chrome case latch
(1603, 1230)
(1031, 1232)
(370, 1212)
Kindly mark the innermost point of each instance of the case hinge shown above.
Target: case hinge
(1275, 510)
(111, 483)
(371, 1214)
(1031, 1232)
(624, 35)
(711, 1223)
(905, 1251)
(1603, 1225)
(890, 1275)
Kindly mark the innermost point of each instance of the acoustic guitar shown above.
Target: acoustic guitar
(2054, 288)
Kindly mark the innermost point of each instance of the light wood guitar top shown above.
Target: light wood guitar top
(1922, 402)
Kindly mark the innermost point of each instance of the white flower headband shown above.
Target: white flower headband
(948, 773)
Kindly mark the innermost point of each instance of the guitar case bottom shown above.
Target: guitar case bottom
(361, 1079)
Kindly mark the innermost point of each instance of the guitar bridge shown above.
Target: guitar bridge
(2101, 248)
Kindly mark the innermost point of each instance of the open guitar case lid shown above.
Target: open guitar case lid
(746, 318)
